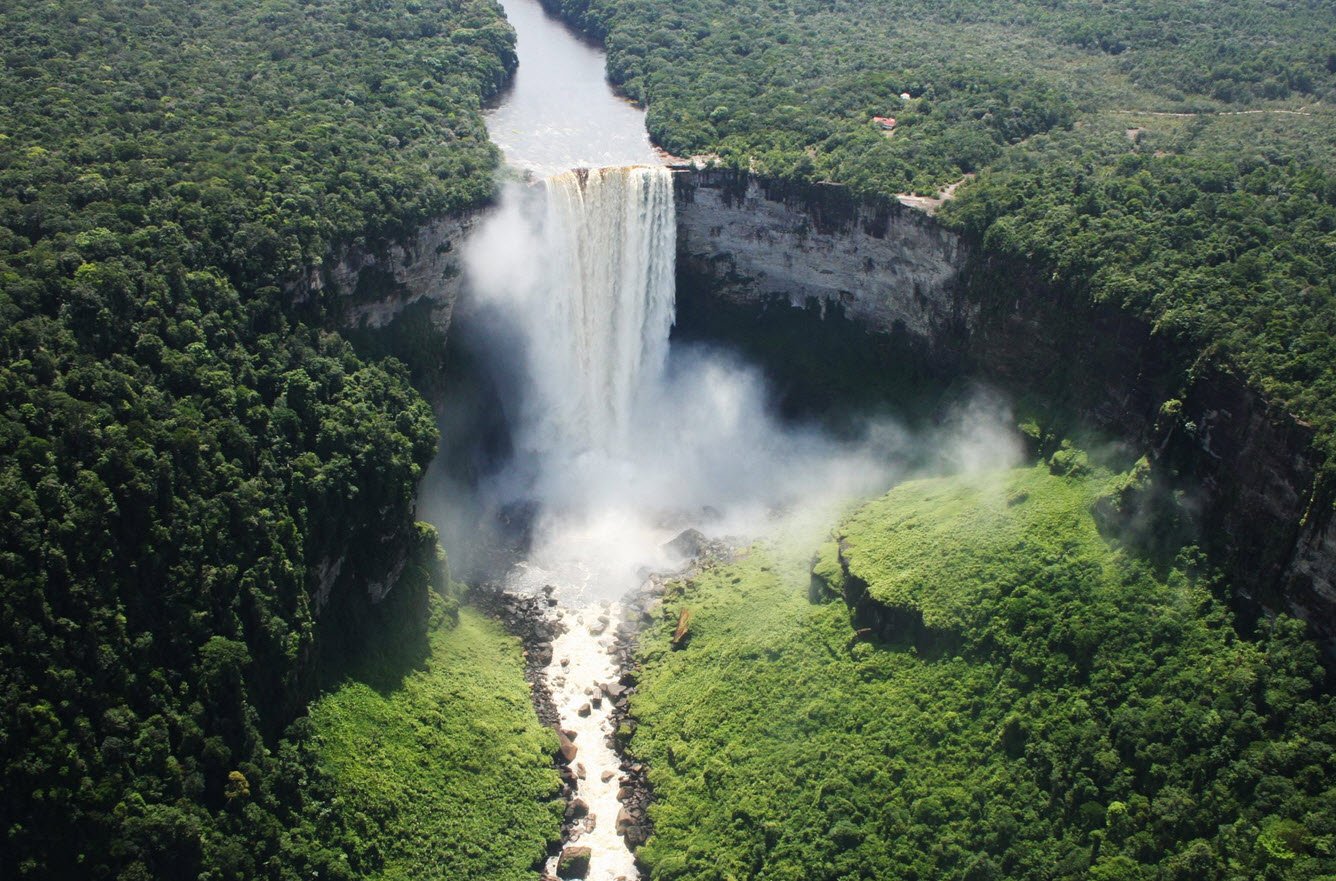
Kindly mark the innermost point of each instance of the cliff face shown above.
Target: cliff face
(376, 283)
(754, 241)
(895, 271)
(395, 298)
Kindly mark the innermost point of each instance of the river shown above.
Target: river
(559, 112)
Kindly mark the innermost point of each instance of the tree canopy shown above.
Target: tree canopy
(192, 466)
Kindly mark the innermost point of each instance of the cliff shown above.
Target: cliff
(375, 282)
(372, 286)
(1248, 467)
(886, 266)
(392, 298)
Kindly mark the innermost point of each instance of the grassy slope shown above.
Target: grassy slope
(446, 773)
(1096, 714)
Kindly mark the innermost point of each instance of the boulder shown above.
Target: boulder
(576, 809)
(584, 710)
(574, 862)
(688, 544)
(565, 747)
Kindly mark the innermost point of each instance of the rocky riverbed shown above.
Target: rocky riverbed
(580, 662)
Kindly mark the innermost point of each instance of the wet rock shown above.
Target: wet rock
(570, 734)
(614, 690)
(607, 775)
(576, 809)
(566, 748)
(624, 821)
(688, 544)
(636, 835)
(574, 862)
(584, 710)
(580, 770)
(596, 700)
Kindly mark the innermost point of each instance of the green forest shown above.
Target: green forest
(186, 456)
(229, 651)
(1036, 703)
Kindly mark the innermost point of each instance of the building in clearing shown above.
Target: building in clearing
(886, 122)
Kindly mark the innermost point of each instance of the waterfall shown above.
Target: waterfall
(605, 307)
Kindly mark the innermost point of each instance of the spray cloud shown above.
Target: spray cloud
(619, 442)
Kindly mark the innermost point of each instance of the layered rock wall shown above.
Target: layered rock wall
(759, 241)
(376, 282)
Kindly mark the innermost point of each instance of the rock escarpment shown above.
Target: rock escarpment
(1251, 468)
(375, 283)
(886, 266)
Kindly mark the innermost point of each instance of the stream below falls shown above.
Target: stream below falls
(582, 668)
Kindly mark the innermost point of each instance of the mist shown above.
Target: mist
(618, 440)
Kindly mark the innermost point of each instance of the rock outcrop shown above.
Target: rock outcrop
(886, 266)
(376, 282)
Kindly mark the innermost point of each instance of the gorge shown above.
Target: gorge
(908, 284)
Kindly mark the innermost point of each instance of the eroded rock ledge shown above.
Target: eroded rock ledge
(375, 282)
(887, 266)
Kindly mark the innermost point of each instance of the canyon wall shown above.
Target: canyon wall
(372, 285)
(392, 297)
(1249, 466)
(758, 241)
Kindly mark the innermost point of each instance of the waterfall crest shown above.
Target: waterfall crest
(606, 307)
